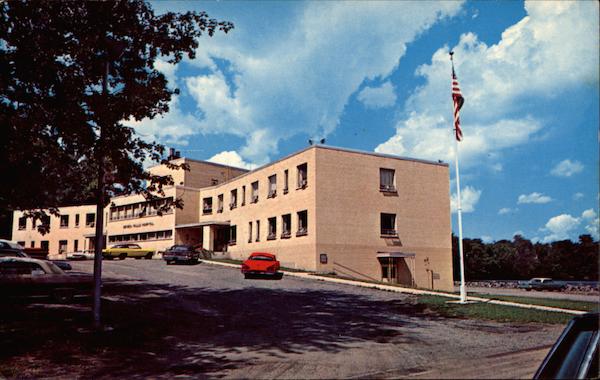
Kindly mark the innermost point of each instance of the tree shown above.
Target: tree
(70, 74)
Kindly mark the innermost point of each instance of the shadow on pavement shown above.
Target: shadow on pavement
(161, 330)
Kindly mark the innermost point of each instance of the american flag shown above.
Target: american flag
(458, 103)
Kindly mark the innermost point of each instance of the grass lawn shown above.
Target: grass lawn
(564, 304)
(482, 310)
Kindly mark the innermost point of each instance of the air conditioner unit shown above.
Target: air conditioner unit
(303, 183)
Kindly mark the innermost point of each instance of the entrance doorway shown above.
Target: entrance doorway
(221, 241)
(397, 267)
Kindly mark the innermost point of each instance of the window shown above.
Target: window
(258, 230)
(388, 225)
(243, 195)
(254, 192)
(220, 203)
(64, 221)
(22, 223)
(286, 178)
(62, 246)
(272, 186)
(302, 223)
(46, 220)
(302, 176)
(207, 206)
(76, 220)
(249, 232)
(32, 245)
(232, 235)
(90, 220)
(44, 245)
(286, 226)
(233, 203)
(272, 229)
(386, 180)
(21, 243)
(75, 245)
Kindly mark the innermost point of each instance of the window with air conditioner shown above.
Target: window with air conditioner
(64, 221)
(286, 226)
(272, 229)
(233, 199)
(254, 194)
(302, 223)
(272, 186)
(207, 206)
(302, 176)
(220, 203)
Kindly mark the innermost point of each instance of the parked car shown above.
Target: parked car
(181, 253)
(261, 264)
(86, 254)
(21, 276)
(11, 249)
(122, 251)
(540, 283)
(575, 353)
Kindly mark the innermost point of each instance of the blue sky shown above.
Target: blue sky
(375, 76)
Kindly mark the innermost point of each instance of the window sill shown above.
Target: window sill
(304, 233)
(232, 242)
(206, 212)
(286, 235)
(285, 191)
(271, 237)
(389, 236)
(271, 195)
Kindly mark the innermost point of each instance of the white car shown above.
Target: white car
(86, 254)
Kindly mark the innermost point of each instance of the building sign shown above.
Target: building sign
(138, 225)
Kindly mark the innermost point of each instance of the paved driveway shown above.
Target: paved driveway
(296, 328)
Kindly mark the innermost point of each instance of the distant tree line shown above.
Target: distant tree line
(521, 259)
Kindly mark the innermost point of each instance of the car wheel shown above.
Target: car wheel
(149, 256)
(138, 258)
(246, 276)
(122, 256)
(168, 262)
(62, 295)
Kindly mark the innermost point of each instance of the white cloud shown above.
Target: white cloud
(378, 97)
(469, 198)
(536, 57)
(588, 214)
(567, 168)
(560, 227)
(519, 232)
(506, 210)
(593, 228)
(231, 158)
(487, 239)
(577, 196)
(300, 82)
(534, 198)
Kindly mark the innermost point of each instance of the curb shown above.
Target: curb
(398, 289)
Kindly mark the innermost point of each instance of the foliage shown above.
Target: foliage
(522, 259)
(53, 58)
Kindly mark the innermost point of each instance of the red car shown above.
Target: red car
(261, 263)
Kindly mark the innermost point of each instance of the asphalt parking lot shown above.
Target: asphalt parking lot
(206, 320)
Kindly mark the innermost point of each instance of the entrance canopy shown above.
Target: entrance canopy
(382, 255)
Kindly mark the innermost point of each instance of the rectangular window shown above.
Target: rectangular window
(90, 220)
(302, 176)
(64, 221)
(286, 226)
(388, 225)
(387, 180)
(243, 195)
(168, 234)
(76, 220)
(220, 203)
(272, 229)
(249, 232)
(233, 203)
(286, 178)
(272, 186)
(44, 244)
(32, 245)
(46, 220)
(62, 246)
(22, 223)
(207, 206)
(258, 230)
(302, 223)
(75, 245)
(254, 192)
(232, 235)
(21, 243)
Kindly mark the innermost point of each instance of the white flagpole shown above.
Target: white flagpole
(463, 291)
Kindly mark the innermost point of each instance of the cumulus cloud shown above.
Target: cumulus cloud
(300, 82)
(506, 210)
(378, 97)
(231, 158)
(500, 76)
(577, 196)
(534, 197)
(567, 168)
(469, 198)
(560, 227)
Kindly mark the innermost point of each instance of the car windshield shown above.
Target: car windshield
(54, 269)
(180, 248)
(262, 258)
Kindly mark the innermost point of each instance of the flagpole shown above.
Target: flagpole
(463, 291)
